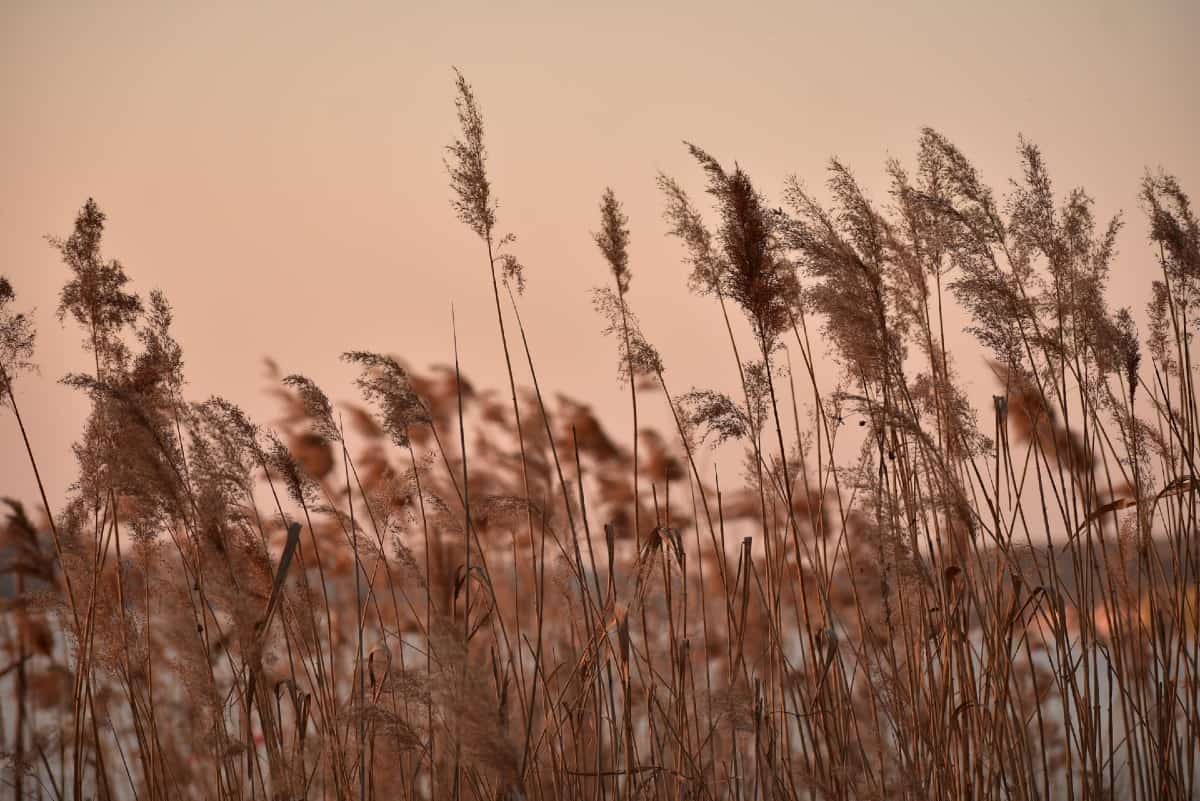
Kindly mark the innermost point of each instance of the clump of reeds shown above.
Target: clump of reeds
(442, 592)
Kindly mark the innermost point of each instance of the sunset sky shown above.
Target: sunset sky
(276, 168)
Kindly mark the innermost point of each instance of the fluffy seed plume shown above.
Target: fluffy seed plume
(386, 385)
(467, 165)
(16, 337)
(613, 239)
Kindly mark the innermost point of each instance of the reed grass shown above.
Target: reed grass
(435, 593)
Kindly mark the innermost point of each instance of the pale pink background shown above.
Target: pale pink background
(277, 169)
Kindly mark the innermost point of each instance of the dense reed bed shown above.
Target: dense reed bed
(438, 591)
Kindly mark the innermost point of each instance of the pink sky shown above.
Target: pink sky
(277, 170)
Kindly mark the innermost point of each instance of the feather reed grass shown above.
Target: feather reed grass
(438, 592)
